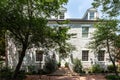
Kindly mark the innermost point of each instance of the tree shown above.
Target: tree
(110, 7)
(105, 37)
(2, 46)
(63, 47)
(25, 20)
(117, 47)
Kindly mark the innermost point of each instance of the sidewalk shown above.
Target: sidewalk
(65, 74)
(44, 77)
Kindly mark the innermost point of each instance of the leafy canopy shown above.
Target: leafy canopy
(111, 7)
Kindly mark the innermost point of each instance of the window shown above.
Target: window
(85, 31)
(39, 55)
(101, 55)
(91, 15)
(62, 16)
(85, 55)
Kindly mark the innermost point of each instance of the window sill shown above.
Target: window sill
(38, 61)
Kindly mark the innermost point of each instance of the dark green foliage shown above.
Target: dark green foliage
(5, 73)
(59, 64)
(2, 44)
(77, 66)
(62, 35)
(96, 68)
(112, 77)
(26, 23)
(110, 7)
(105, 37)
(67, 65)
(50, 66)
(31, 68)
(110, 68)
(21, 75)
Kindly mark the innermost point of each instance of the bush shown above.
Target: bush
(66, 65)
(77, 66)
(21, 75)
(59, 64)
(112, 77)
(97, 69)
(31, 69)
(110, 68)
(6, 74)
(50, 66)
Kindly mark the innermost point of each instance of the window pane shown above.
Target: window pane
(39, 55)
(85, 31)
(91, 15)
(61, 16)
(101, 55)
(85, 55)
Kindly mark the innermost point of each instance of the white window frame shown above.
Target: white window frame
(36, 54)
(92, 15)
(87, 33)
(87, 55)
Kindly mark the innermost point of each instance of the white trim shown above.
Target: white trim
(82, 55)
(88, 32)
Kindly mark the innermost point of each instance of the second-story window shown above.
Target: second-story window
(85, 31)
(91, 16)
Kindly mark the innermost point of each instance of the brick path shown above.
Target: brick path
(65, 74)
(86, 77)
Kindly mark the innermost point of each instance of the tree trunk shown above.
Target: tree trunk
(19, 62)
(6, 59)
(113, 61)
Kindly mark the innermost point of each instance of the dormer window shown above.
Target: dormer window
(91, 17)
(62, 16)
(91, 14)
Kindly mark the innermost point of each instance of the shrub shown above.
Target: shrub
(31, 69)
(77, 66)
(6, 74)
(66, 65)
(59, 64)
(110, 68)
(97, 69)
(50, 66)
(112, 77)
(21, 75)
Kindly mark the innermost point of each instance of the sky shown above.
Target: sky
(77, 8)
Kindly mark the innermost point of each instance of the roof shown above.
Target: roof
(88, 10)
(71, 20)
